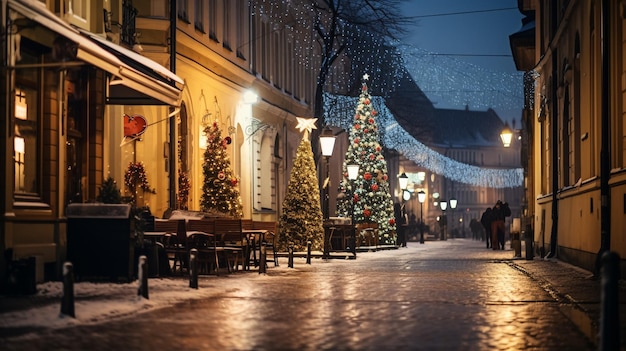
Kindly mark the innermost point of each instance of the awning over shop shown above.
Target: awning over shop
(135, 79)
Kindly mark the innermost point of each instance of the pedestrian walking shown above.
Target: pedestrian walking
(476, 227)
(499, 213)
(486, 220)
(398, 211)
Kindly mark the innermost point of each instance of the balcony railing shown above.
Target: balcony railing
(128, 30)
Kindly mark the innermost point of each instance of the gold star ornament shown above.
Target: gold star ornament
(306, 124)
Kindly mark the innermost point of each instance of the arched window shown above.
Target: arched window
(265, 197)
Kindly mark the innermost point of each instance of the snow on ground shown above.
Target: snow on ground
(99, 302)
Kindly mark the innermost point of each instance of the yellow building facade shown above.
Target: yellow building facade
(576, 128)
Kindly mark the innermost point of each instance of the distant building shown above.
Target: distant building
(472, 138)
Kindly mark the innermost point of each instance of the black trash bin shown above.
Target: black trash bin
(21, 277)
(100, 242)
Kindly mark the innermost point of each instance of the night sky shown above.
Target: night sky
(455, 31)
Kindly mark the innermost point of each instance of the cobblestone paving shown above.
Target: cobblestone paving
(453, 295)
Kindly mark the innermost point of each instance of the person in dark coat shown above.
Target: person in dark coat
(398, 211)
(485, 220)
(499, 213)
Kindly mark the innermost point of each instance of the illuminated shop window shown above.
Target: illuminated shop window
(25, 139)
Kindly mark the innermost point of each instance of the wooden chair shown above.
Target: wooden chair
(234, 243)
(174, 241)
(270, 237)
(207, 242)
(207, 258)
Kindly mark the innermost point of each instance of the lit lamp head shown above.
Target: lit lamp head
(443, 204)
(406, 195)
(506, 135)
(353, 171)
(250, 97)
(327, 141)
(421, 196)
(403, 180)
(453, 203)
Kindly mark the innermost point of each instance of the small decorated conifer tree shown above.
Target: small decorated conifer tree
(219, 190)
(301, 219)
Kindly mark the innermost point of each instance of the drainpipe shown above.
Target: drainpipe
(605, 167)
(555, 156)
(172, 123)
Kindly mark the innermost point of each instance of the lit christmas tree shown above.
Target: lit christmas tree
(219, 191)
(371, 197)
(301, 219)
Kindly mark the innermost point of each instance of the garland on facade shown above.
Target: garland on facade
(339, 111)
(184, 185)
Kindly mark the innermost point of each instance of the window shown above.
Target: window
(213, 19)
(264, 172)
(183, 11)
(241, 28)
(226, 25)
(27, 128)
(199, 15)
(78, 12)
(76, 160)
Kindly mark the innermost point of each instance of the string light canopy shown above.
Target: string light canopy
(339, 111)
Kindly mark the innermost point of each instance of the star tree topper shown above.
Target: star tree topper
(306, 125)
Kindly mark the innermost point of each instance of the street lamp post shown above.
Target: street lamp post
(401, 227)
(444, 205)
(453, 203)
(403, 180)
(421, 197)
(327, 144)
(353, 174)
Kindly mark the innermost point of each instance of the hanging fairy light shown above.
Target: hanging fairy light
(395, 137)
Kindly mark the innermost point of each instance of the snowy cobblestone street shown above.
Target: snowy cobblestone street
(443, 295)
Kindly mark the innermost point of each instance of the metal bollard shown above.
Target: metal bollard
(290, 260)
(529, 237)
(308, 252)
(143, 277)
(263, 259)
(609, 313)
(193, 268)
(67, 302)
(516, 244)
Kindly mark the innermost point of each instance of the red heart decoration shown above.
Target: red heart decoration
(134, 125)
